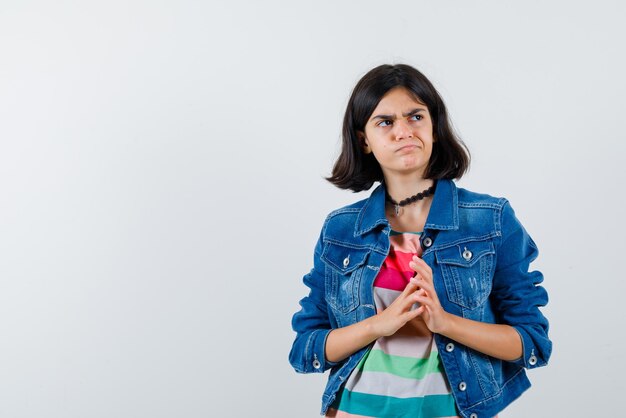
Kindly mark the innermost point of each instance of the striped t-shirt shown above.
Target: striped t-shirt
(401, 375)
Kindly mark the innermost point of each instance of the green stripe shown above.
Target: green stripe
(393, 232)
(409, 367)
(387, 406)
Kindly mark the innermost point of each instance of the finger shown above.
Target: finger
(410, 302)
(429, 287)
(421, 261)
(429, 303)
(427, 292)
(424, 301)
(405, 304)
(411, 287)
(423, 297)
(415, 313)
(422, 270)
(426, 285)
(419, 282)
(421, 264)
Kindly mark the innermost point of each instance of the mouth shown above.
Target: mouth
(408, 147)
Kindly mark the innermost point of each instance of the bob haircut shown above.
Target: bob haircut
(358, 171)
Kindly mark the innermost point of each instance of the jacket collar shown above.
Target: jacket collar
(443, 214)
(444, 211)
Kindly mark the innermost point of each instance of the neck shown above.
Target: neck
(401, 188)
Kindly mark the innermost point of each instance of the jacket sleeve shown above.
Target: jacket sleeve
(517, 294)
(311, 322)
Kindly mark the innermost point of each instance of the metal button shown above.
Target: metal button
(462, 386)
(532, 360)
(317, 364)
(427, 242)
(449, 347)
(346, 261)
(473, 415)
(467, 255)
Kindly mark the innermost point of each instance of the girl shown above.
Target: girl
(421, 302)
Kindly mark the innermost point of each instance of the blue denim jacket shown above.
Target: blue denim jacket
(479, 253)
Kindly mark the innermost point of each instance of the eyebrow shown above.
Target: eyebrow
(392, 117)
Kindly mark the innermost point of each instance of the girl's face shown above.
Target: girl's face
(400, 134)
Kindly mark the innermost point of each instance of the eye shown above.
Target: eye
(417, 117)
(384, 122)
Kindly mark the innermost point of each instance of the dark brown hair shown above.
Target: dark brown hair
(356, 170)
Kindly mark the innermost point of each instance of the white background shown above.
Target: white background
(161, 188)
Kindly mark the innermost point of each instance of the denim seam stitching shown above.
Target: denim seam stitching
(498, 217)
(347, 244)
(342, 211)
(355, 247)
(340, 270)
(461, 241)
(307, 349)
(479, 205)
(475, 259)
(376, 222)
(476, 374)
(498, 393)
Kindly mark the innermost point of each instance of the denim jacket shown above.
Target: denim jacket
(480, 255)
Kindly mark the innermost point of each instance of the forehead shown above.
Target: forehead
(398, 99)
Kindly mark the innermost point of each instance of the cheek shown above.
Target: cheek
(426, 130)
(426, 135)
(380, 145)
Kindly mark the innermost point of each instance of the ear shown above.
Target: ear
(363, 142)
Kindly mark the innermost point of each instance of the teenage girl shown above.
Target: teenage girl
(421, 301)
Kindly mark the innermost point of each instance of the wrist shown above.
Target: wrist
(371, 328)
(447, 325)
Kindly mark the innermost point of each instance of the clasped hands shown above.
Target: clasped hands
(420, 289)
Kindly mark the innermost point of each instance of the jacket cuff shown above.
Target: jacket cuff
(316, 348)
(531, 357)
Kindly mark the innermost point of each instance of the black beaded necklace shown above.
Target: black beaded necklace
(421, 195)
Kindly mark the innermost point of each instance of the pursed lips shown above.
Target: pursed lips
(407, 147)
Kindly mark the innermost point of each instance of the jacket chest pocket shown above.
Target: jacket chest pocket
(467, 271)
(344, 270)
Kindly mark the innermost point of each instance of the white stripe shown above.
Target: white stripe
(384, 297)
(412, 340)
(385, 384)
(406, 345)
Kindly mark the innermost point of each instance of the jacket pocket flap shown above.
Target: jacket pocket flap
(465, 254)
(344, 259)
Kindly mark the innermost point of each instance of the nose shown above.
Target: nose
(402, 130)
